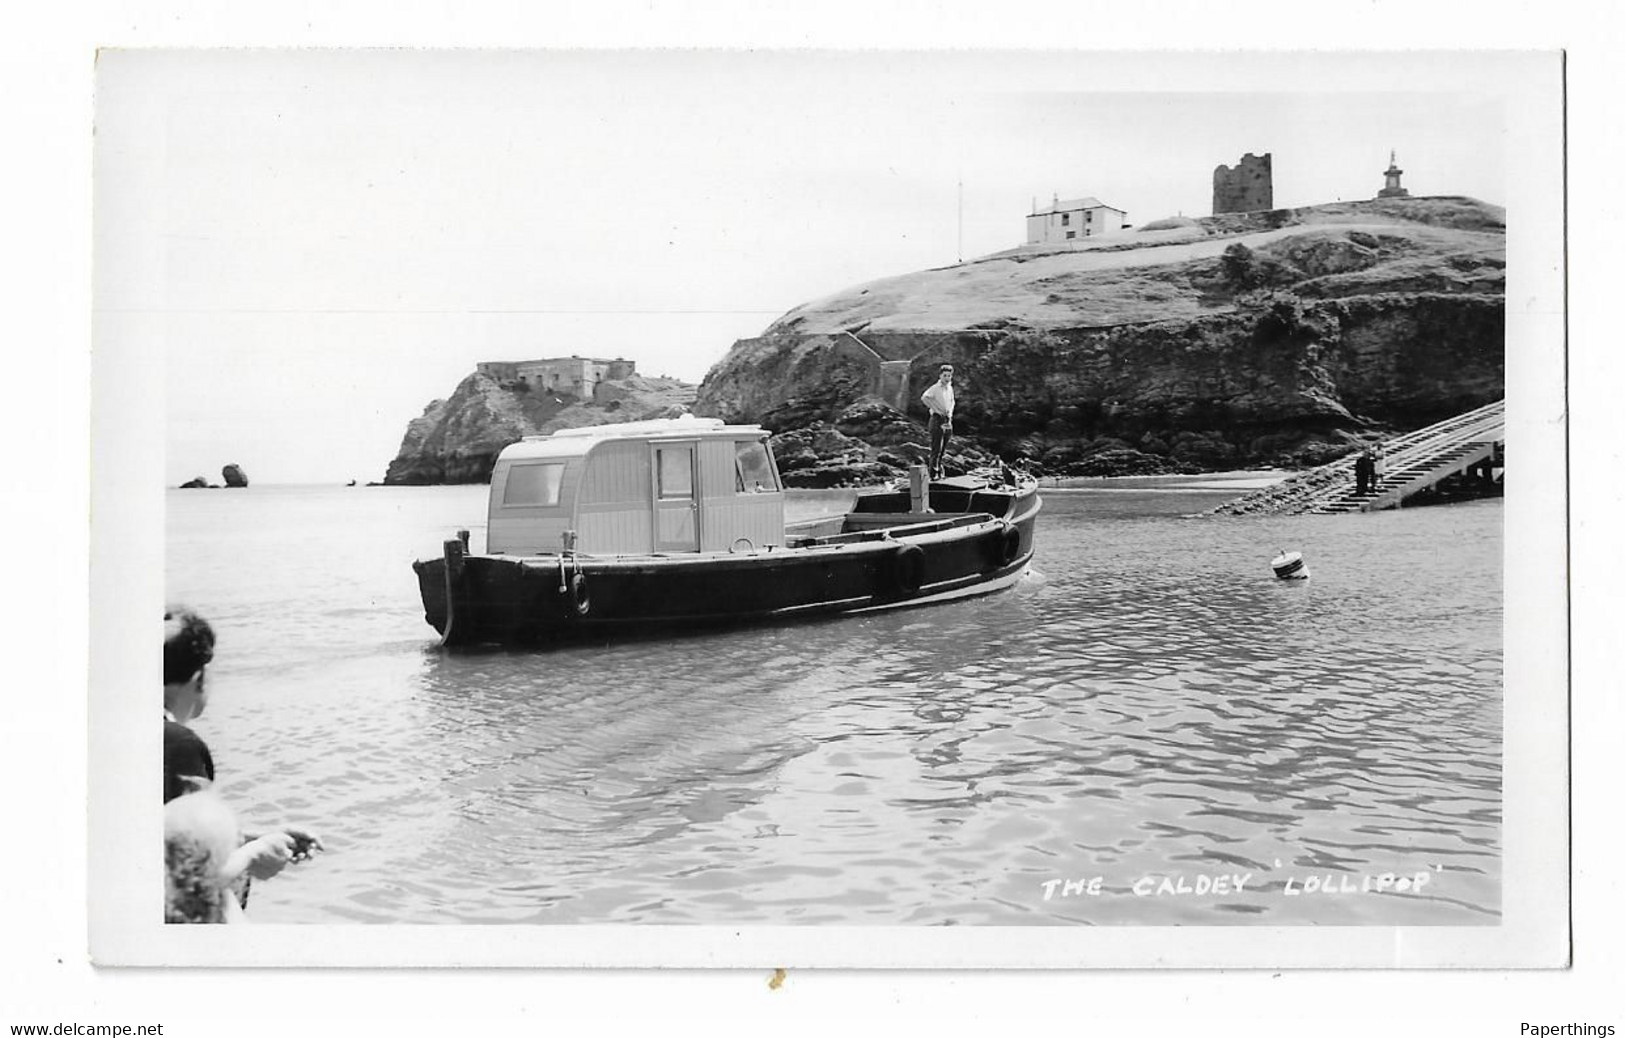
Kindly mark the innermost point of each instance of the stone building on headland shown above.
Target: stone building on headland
(1391, 175)
(1247, 188)
(1072, 219)
(576, 376)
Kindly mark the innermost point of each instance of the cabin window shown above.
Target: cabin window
(754, 469)
(675, 466)
(533, 485)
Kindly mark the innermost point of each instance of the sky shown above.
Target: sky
(314, 245)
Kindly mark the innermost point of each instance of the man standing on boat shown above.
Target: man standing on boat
(939, 400)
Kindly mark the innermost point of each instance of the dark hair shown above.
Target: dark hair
(188, 644)
(946, 367)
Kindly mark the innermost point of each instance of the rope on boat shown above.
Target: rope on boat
(453, 552)
(574, 586)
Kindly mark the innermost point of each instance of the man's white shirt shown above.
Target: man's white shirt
(940, 399)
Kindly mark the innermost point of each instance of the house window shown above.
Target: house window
(1066, 219)
(1071, 234)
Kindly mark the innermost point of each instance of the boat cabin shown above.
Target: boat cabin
(661, 486)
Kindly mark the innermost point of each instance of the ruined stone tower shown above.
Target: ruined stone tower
(1390, 187)
(1246, 188)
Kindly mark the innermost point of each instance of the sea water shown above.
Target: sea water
(1149, 729)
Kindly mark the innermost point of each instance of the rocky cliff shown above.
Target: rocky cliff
(457, 440)
(1275, 338)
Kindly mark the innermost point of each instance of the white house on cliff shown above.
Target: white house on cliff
(1072, 219)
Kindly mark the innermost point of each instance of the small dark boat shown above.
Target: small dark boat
(674, 522)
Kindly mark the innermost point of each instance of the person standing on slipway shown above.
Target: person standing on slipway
(939, 400)
(1364, 472)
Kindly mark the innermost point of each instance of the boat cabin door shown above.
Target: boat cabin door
(676, 496)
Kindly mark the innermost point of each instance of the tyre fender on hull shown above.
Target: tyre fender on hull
(578, 596)
(908, 568)
(1009, 543)
(1003, 545)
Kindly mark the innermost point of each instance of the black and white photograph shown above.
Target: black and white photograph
(875, 508)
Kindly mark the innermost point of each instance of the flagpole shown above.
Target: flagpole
(961, 219)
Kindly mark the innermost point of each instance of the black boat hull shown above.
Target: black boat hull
(535, 600)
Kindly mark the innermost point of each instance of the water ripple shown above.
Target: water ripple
(1156, 707)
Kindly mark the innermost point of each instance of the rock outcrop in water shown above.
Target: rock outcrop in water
(233, 475)
(1250, 339)
(457, 440)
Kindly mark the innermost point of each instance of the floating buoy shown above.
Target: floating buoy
(1289, 565)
